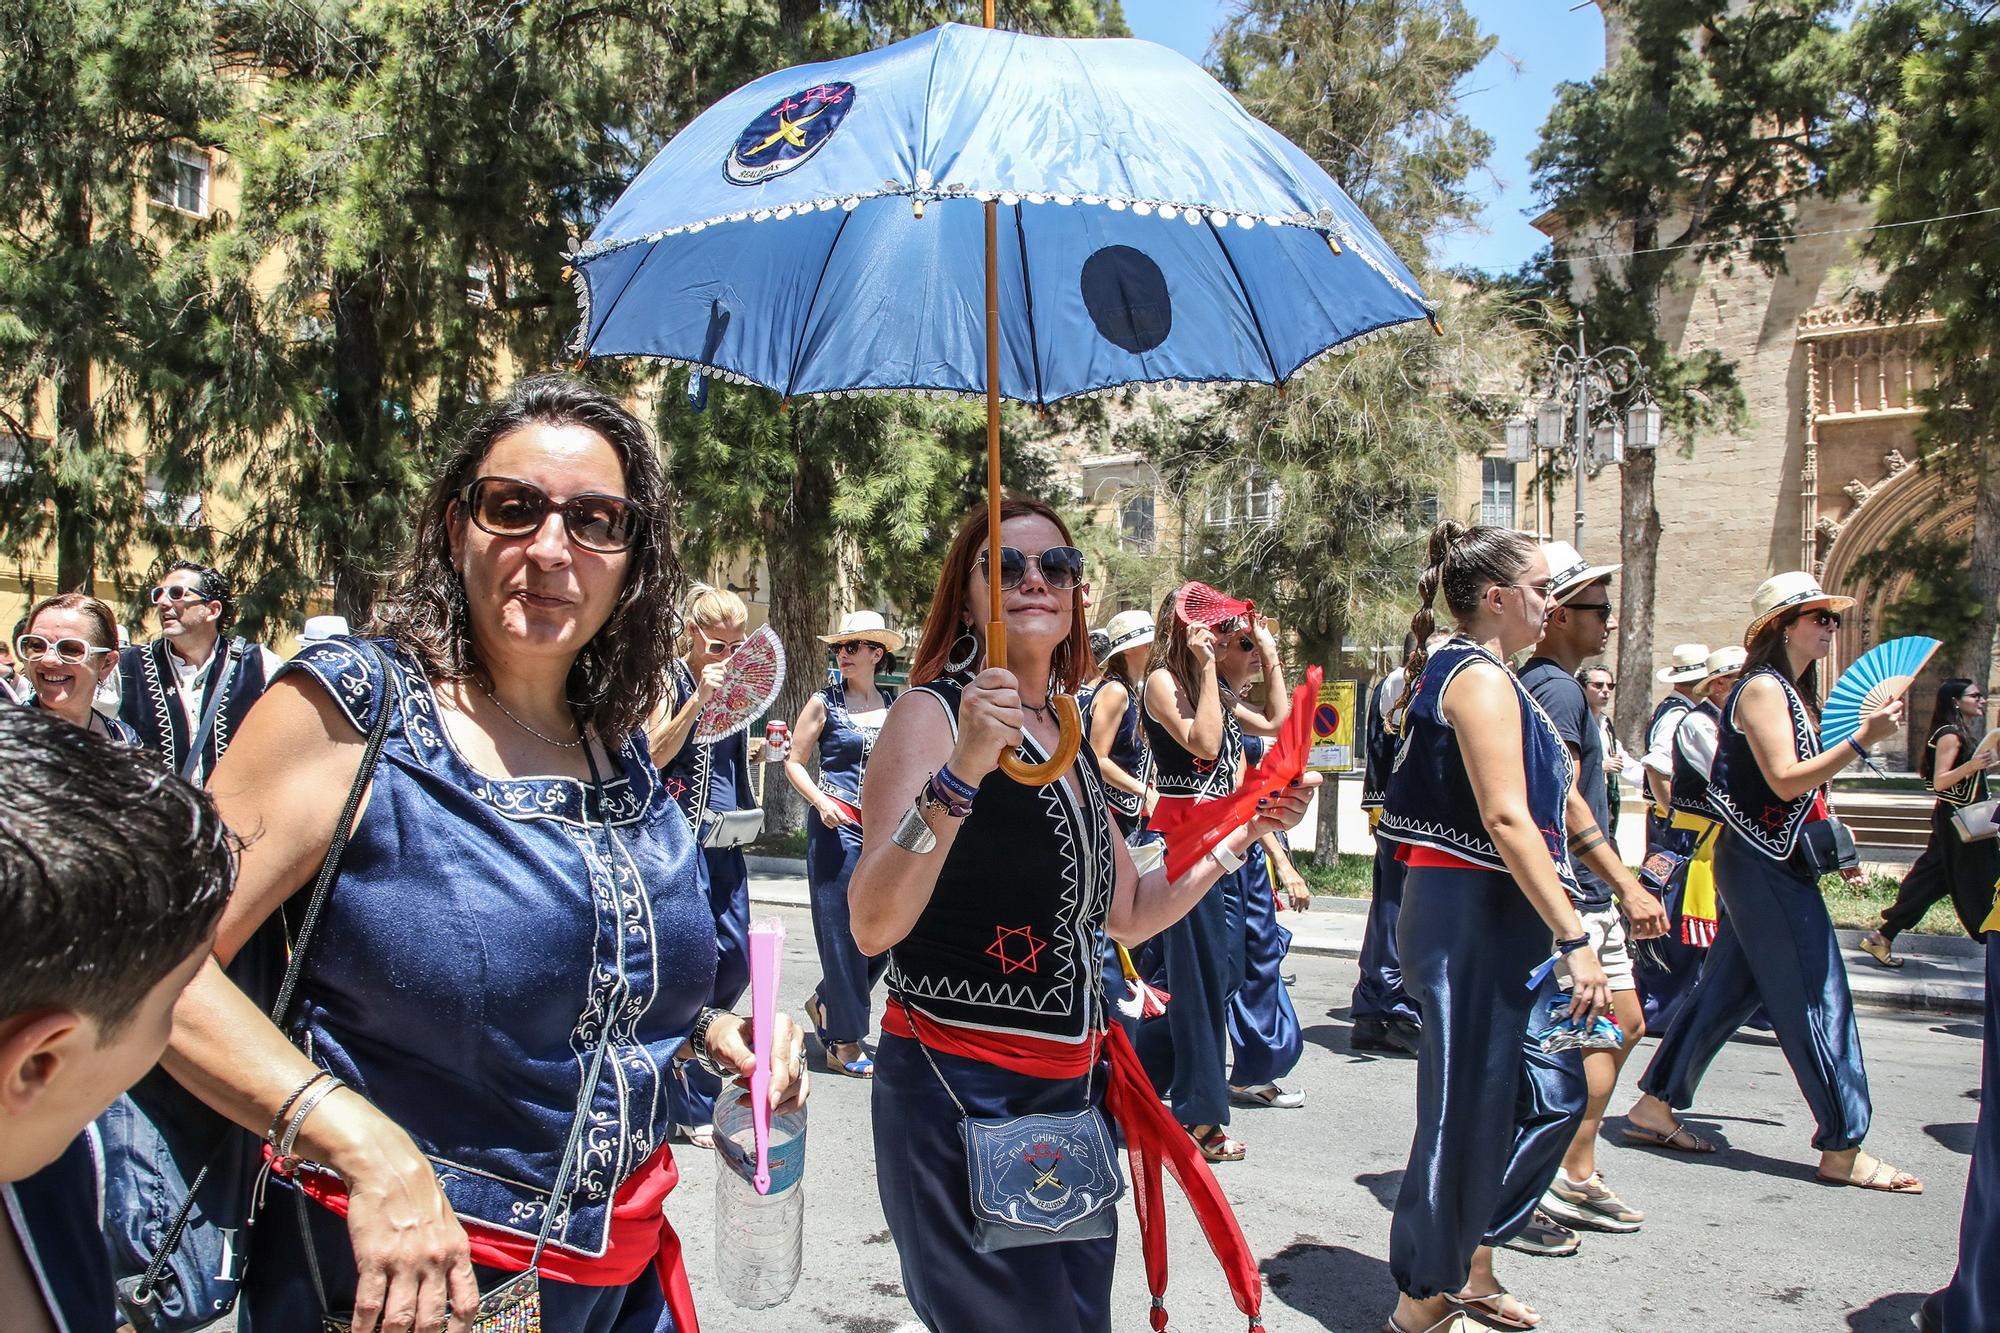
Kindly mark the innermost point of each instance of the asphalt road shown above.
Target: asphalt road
(1746, 1240)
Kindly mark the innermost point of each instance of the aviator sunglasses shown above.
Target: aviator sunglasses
(506, 507)
(1061, 566)
(69, 651)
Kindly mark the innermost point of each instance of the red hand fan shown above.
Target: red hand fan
(1200, 604)
(1192, 828)
(756, 672)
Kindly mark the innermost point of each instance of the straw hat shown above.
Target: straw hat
(1570, 573)
(1793, 591)
(1724, 661)
(868, 627)
(319, 629)
(1690, 663)
(1128, 629)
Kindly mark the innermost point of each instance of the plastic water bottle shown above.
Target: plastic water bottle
(759, 1238)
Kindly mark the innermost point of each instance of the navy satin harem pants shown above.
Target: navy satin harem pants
(1775, 947)
(921, 1175)
(1495, 1113)
(847, 976)
(1198, 961)
(1263, 1027)
(1379, 995)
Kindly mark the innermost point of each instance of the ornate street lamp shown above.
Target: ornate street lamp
(1586, 387)
(1642, 423)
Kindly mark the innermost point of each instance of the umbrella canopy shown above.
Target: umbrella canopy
(820, 229)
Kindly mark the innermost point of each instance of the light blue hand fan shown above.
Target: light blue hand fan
(1884, 672)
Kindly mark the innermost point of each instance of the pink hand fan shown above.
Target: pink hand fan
(1200, 604)
(756, 672)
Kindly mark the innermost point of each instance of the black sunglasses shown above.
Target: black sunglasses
(1061, 566)
(506, 507)
(1824, 618)
(854, 645)
(1602, 608)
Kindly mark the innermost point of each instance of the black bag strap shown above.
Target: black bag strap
(329, 869)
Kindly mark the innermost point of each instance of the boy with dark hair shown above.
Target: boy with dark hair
(113, 873)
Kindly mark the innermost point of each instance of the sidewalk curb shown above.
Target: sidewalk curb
(1917, 988)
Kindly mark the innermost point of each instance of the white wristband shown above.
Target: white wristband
(1228, 860)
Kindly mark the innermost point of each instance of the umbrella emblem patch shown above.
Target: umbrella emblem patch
(786, 136)
(1126, 296)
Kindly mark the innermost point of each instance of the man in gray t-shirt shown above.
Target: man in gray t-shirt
(1578, 628)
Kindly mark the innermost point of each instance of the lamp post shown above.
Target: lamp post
(1583, 391)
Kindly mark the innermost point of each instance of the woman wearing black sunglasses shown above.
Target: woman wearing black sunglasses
(1954, 765)
(67, 646)
(991, 896)
(1776, 944)
(1195, 723)
(518, 942)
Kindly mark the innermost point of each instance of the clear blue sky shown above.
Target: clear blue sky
(1542, 43)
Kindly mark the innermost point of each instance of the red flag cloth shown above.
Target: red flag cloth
(641, 1237)
(1152, 1139)
(1192, 828)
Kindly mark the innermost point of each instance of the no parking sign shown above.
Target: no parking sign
(1333, 729)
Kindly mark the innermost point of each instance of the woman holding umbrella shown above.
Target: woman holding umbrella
(990, 895)
(840, 724)
(1194, 725)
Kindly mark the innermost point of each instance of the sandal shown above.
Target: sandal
(1679, 1139)
(1266, 1094)
(1881, 948)
(1884, 1177)
(698, 1136)
(859, 1067)
(1451, 1323)
(1216, 1145)
(1487, 1310)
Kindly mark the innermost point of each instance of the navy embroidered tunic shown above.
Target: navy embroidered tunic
(1737, 786)
(712, 776)
(57, 1216)
(1128, 750)
(1178, 772)
(482, 938)
(844, 745)
(1430, 801)
(1689, 793)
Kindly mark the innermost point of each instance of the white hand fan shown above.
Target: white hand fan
(1884, 672)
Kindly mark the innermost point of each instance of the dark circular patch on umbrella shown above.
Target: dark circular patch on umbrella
(1126, 295)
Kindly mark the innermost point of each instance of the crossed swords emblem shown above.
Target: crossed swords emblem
(788, 130)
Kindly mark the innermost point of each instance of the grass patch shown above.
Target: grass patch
(788, 845)
(1852, 906)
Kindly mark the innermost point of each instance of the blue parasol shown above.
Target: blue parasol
(985, 212)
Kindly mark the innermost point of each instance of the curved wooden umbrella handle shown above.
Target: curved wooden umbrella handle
(1069, 720)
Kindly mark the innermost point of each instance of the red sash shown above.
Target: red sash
(641, 1237)
(1152, 1139)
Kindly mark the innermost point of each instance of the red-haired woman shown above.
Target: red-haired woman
(1195, 724)
(989, 894)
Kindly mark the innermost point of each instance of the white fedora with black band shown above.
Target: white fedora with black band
(1128, 629)
(1727, 661)
(1793, 591)
(865, 627)
(1570, 573)
(1690, 662)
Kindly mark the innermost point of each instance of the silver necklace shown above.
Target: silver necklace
(576, 744)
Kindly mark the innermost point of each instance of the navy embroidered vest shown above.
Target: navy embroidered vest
(844, 745)
(1737, 786)
(712, 777)
(57, 1215)
(1008, 941)
(1690, 783)
(1379, 747)
(1178, 772)
(1128, 750)
(1430, 802)
(1673, 703)
(150, 702)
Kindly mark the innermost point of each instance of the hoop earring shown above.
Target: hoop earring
(955, 663)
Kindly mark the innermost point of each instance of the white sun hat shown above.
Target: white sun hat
(1690, 662)
(1793, 591)
(867, 626)
(319, 629)
(1128, 629)
(1570, 573)
(1725, 661)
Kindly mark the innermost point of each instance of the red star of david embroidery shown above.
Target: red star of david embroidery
(677, 787)
(1017, 949)
(1773, 816)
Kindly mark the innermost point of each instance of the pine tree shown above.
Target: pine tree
(1926, 80)
(107, 315)
(1692, 147)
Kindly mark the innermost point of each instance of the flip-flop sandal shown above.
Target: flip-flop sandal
(698, 1136)
(1451, 1323)
(1486, 1310)
(859, 1067)
(1883, 1178)
(1217, 1146)
(1679, 1139)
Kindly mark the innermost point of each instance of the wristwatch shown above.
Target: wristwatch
(1228, 860)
